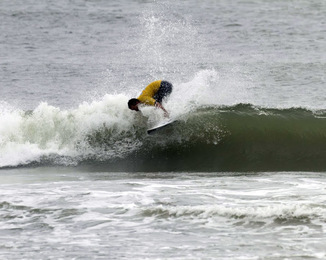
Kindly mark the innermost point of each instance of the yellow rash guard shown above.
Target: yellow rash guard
(148, 93)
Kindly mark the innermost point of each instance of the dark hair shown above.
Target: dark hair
(133, 102)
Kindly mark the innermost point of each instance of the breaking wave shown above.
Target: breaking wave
(106, 134)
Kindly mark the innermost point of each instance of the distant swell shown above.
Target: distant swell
(211, 138)
(277, 213)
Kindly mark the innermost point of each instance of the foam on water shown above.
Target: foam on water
(27, 136)
(210, 212)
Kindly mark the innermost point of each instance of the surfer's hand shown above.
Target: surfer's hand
(166, 114)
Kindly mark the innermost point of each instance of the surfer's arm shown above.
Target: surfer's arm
(147, 100)
(158, 104)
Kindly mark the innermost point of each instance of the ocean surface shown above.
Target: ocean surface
(241, 174)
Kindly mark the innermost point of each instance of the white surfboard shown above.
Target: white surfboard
(160, 126)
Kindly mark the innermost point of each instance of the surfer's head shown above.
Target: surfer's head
(133, 104)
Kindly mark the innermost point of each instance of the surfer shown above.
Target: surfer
(152, 95)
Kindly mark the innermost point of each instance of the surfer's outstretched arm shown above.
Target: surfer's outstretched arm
(158, 104)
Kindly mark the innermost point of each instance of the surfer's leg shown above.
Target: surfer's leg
(164, 91)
